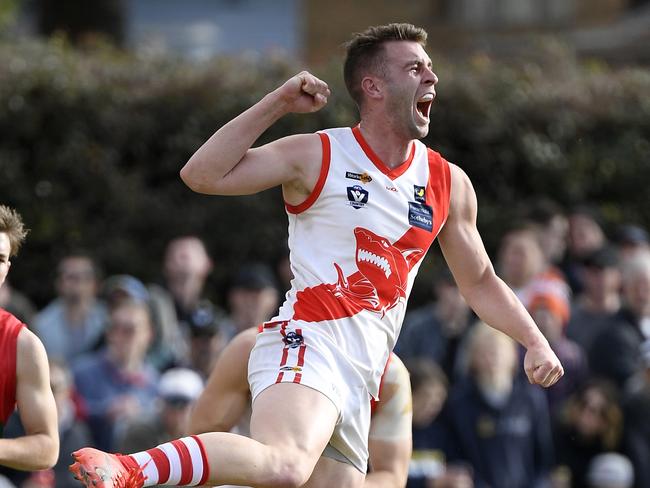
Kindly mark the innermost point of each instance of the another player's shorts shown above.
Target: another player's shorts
(284, 354)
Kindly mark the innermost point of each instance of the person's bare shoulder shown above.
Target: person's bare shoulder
(232, 365)
(244, 341)
(463, 197)
(31, 357)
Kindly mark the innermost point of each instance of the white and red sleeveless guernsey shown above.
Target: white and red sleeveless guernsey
(357, 242)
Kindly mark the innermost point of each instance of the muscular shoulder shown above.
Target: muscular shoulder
(31, 357)
(304, 154)
(232, 365)
(243, 342)
(463, 197)
(29, 343)
(299, 149)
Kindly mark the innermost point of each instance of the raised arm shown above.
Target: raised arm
(225, 397)
(39, 447)
(492, 300)
(227, 165)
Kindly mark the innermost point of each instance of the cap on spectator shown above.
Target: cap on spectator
(610, 470)
(602, 258)
(255, 276)
(555, 303)
(630, 234)
(204, 320)
(125, 286)
(180, 384)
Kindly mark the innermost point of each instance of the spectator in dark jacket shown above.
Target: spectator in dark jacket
(593, 310)
(500, 425)
(591, 424)
(436, 330)
(550, 311)
(428, 465)
(116, 384)
(616, 352)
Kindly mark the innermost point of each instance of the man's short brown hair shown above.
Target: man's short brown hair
(363, 52)
(12, 224)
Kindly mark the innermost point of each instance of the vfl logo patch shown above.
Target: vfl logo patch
(418, 194)
(357, 196)
(421, 215)
(293, 340)
(362, 177)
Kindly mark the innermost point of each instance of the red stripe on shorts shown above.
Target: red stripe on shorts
(285, 353)
(301, 352)
(186, 462)
(301, 357)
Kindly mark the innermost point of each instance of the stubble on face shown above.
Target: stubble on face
(401, 89)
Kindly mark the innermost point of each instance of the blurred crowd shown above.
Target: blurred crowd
(128, 358)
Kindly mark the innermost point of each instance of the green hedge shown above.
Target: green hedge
(92, 142)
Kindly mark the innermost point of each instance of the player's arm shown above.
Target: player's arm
(225, 397)
(390, 463)
(389, 440)
(39, 447)
(493, 301)
(228, 165)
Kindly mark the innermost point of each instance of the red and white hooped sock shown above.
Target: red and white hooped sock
(182, 462)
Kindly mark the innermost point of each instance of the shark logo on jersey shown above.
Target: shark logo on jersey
(379, 284)
(357, 196)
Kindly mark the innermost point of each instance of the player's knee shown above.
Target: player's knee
(291, 472)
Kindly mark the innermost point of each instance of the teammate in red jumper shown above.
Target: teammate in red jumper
(364, 205)
(24, 374)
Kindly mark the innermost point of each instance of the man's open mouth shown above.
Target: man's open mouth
(423, 105)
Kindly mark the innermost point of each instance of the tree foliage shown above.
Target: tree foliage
(92, 142)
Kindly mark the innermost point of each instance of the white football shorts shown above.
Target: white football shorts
(286, 352)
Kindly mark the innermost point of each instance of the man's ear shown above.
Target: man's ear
(372, 87)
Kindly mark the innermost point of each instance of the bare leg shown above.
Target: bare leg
(291, 424)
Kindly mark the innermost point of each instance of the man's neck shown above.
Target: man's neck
(392, 148)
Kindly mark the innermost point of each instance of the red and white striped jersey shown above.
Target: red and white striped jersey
(357, 242)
